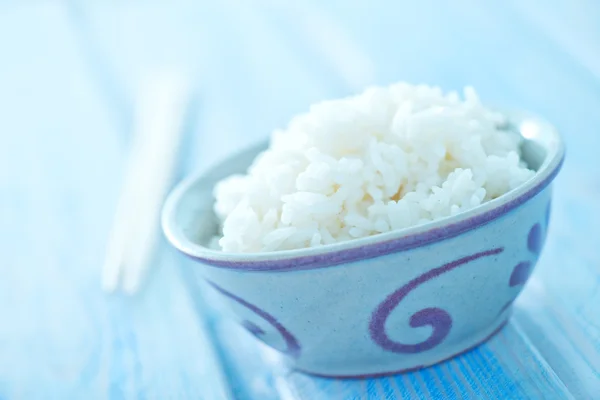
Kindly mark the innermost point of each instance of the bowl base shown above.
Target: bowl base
(486, 335)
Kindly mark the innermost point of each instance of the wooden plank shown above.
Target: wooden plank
(61, 156)
(62, 149)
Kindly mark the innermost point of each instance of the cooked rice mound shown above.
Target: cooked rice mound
(387, 159)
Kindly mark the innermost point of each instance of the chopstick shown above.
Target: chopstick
(159, 111)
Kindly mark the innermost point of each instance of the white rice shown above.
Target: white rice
(387, 159)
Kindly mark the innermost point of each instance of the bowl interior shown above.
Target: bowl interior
(193, 216)
(190, 223)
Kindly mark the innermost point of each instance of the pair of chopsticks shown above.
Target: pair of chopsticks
(160, 105)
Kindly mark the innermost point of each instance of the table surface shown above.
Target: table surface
(67, 75)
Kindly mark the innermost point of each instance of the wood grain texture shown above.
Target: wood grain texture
(62, 157)
(66, 78)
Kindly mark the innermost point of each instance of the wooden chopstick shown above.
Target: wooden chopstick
(159, 111)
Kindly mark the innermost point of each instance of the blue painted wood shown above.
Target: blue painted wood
(67, 72)
(61, 157)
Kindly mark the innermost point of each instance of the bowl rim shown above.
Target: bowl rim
(370, 246)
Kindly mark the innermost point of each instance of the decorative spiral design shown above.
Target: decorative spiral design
(534, 239)
(548, 212)
(523, 269)
(439, 319)
(292, 345)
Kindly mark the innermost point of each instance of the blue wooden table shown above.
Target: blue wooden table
(67, 74)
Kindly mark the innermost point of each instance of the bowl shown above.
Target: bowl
(384, 304)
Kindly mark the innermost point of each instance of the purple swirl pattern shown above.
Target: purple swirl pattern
(253, 328)
(292, 345)
(522, 270)
(534, 239)
(520, 274)
(439, 319)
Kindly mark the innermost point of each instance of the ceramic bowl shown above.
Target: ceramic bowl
(387, 303)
